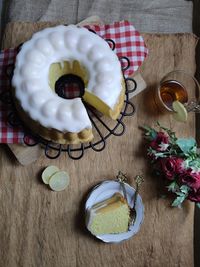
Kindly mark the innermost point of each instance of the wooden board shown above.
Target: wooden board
(39, 227)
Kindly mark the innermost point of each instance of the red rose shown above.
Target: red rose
(151, 156)
(194, 195)
(191, 179)
(171, 166)
(161, 142)
(179, 165)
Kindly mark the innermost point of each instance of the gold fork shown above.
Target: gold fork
(133, 214)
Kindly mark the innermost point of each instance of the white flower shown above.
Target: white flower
(163, 146)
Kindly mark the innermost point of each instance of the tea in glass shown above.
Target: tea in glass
(179, 86)
(171, 91)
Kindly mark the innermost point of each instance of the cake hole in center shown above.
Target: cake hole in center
(70, 86)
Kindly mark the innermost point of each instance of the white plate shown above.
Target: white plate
(105, 190)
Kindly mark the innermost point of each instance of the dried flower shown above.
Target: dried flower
(160, 143)
(171, 167)
(177, 160)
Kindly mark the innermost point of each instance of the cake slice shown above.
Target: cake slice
(110, 216)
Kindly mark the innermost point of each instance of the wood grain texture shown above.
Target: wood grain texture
(39, 227)
(25, 154)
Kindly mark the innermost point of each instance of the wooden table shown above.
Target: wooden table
(39, 227)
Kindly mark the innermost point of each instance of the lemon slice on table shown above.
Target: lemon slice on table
(48, 172)
(180, 112)
(59, 181)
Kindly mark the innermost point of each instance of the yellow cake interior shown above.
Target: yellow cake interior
(67, 67)
(74, 67)
(110, 216)
(56, 71)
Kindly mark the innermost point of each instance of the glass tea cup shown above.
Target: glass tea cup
(178, 85)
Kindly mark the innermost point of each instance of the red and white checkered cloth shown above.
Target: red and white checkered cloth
(128, 43)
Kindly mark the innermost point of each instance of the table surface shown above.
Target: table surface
(39, 227)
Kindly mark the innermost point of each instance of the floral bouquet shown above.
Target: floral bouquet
(177, 161)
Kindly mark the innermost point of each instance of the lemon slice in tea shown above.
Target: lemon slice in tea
(180, 112)
(48, 172)
(59, 181)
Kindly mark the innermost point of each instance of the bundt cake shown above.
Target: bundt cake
(46, 62)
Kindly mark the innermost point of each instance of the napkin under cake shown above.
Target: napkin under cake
(110, 216)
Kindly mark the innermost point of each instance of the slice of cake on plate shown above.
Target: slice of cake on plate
(110, 216)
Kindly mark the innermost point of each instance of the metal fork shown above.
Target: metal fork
(121, 179)
(133, 214)
(139, 180)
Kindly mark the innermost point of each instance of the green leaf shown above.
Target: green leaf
(185, 189)
(151, 135)
(150, 132)
(171, 134)
(180, 194)
(150, 151)
(193, 163)
(186, 164)
(163, 196)
(146, 128)
(173, 187)
(178, 201)
(198, 205)
(186, 144)
(160, 155)
(157, 172)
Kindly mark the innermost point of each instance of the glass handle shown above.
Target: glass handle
(192, 106)
(196, 109)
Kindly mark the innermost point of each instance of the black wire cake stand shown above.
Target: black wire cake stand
(101, 126)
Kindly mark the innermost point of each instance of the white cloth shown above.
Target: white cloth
(147, 15)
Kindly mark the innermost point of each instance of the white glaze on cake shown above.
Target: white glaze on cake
(59, 44)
